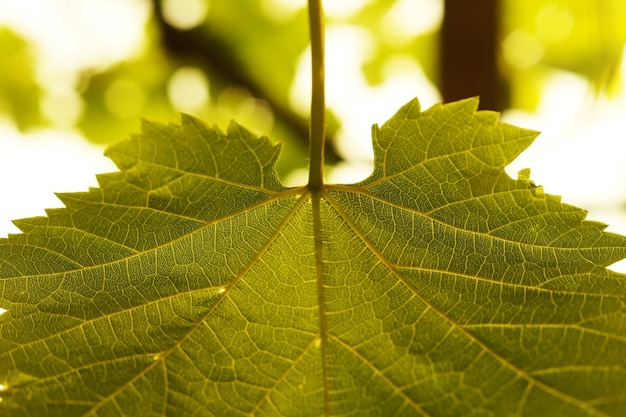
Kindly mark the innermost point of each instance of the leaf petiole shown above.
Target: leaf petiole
(318, 106)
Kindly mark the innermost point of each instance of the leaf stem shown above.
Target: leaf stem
(318, 106)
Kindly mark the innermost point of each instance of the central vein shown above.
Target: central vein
(319, 272)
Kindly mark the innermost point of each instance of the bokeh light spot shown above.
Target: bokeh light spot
(63, 110)
(185, 14)
(281, 10)
(522, 49)
(188, 89)
(410, 18)
(237, 104)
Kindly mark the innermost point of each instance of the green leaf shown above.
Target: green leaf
(193, 283)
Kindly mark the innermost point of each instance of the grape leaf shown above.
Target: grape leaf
(192, 283)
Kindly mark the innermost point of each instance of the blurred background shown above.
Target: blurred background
(76, 75)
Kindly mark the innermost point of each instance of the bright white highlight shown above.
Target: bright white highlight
(40, 164)
(69, 35)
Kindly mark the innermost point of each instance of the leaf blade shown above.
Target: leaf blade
(193, 281)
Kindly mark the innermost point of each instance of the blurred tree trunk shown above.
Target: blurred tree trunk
(469, 53)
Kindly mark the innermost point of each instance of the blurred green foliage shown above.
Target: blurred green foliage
(248, 52)
(584, 37)
(19, 93)
(107, 116)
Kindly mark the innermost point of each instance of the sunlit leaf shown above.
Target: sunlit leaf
(193, 283)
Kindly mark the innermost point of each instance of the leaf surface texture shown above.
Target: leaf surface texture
(192, 283)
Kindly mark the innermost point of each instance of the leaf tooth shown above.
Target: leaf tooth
(29, 223)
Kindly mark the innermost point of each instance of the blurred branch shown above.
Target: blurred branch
(215, 56)
(469, 53)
